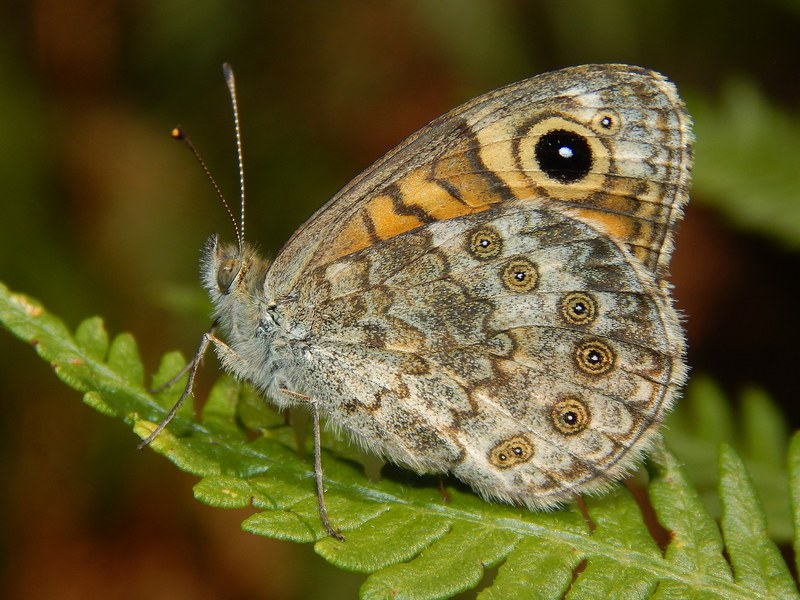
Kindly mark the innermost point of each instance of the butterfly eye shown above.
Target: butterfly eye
(511, 452)
(595, 357)
(227, 272)
(564, 155)
(578, 308)
(570, 416)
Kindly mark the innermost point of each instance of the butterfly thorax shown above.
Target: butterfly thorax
(249, 319)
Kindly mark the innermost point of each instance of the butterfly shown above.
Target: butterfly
(489, 298)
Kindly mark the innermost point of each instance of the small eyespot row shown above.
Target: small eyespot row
(511, 452)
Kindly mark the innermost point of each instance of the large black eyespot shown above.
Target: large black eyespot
(226, 273)
(564, 155)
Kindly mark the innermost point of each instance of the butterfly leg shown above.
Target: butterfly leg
(171, 381)
(190, 365)
(323, 512)
(191, 368)
(443, 491)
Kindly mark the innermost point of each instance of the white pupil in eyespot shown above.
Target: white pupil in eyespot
(565, 152)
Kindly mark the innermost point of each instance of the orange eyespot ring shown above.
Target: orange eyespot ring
(511, 452)
(570, 416)
(485, 243)
(520, 275)
(594, 357)
(578, 308)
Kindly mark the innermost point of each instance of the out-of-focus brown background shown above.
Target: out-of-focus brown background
(103, 214)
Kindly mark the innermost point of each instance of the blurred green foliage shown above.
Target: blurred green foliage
(103, 214)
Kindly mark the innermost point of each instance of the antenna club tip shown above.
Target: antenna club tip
(227, 70)
(177, 134)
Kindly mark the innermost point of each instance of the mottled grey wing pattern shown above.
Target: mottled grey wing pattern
(516, 348)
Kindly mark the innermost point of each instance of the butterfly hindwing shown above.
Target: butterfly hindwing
(518, 325)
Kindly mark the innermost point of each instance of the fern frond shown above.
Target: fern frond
(706, 418)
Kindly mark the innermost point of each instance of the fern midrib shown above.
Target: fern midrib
(629, 557)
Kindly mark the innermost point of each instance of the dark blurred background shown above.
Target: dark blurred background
(103, 214)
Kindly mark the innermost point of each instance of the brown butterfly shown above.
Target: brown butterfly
(488, 299)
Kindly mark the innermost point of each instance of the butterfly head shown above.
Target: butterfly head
(232, 274)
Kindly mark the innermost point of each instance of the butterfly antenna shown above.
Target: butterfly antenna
(178, 134)
(229, 79)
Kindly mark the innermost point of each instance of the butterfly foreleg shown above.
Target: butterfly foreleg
(191, 367)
